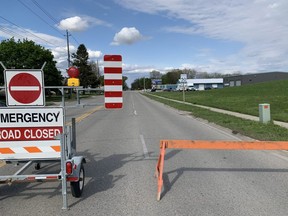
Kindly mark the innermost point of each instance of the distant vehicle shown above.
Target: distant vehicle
(180, 87)
(153, 90)
(167, 89)
(191, 88)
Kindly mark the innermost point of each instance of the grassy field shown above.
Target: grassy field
(243, 99)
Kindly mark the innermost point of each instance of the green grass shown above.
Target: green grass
(243, 99)
(249, 128)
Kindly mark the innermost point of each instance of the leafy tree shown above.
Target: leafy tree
(155, 74)
(139, 83)
(101, 79)
(95, 80)
(124, 84)
(135, 85)
(171, 77)
(80, 59)
(191, 73)
(28, 55)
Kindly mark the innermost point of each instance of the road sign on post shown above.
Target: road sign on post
(183, 78)
(24, 88)
(113, 81)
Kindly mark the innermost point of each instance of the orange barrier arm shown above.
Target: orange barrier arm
(212, 145)
(225, 145)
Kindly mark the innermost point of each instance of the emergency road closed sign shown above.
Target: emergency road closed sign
(30, 133)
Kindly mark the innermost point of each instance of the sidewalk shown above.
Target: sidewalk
(236, 114)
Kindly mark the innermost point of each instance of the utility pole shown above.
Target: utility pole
(68, 52)
(69, 62)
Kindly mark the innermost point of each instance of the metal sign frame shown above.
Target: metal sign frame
(65, 140)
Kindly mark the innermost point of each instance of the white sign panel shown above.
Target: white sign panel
(30, 133)
(24, 88)
(183, 77)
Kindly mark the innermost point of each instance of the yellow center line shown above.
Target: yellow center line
(85, 115)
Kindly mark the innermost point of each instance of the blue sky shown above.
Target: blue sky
(222, 36)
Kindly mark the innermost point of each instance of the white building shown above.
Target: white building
(201, 84)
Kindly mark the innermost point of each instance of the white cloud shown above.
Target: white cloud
(132, 69)
(74, 24)
(259, 25)
(127, 36)
(38, 38)
(78, 24)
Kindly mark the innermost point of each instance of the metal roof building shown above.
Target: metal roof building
(202, 84)
(254, 78)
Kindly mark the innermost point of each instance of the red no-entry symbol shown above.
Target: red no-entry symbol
(25, 88)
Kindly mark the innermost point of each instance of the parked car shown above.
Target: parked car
(191, 88)
(167, 89)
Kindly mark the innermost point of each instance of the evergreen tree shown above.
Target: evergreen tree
(80, 59)
(95, 79)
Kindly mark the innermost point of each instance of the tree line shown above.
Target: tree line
(26, 54)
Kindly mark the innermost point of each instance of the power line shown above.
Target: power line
(46, 12)
(10, 32)
(39, 16)
(51, 17)
(26, 31)
(74, 39)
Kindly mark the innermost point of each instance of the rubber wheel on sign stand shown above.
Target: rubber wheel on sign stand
(78, 187)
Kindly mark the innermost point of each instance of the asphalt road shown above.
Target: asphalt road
(122, 147)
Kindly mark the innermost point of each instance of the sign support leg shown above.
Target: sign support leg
(63, 174)
(159, 170)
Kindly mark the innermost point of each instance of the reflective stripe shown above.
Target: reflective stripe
(113, 64)
(113, 100)
(25, 88)
(112, 76)
(112, 88)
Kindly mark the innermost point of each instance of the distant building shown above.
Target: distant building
(254, 78)
(201, 84)
(156, 83)
(167, 87)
